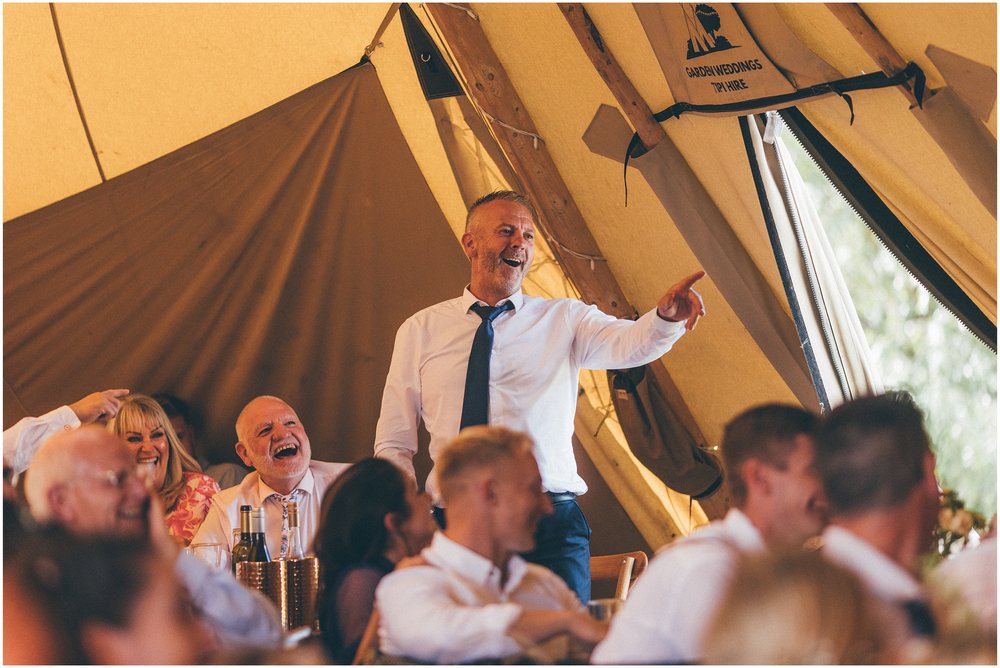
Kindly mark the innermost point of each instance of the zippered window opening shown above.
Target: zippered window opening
(917, 342)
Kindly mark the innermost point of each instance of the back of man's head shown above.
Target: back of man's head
(766, 433)
(476, 449)
(871, 453)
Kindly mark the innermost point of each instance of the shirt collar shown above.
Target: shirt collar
(885, 578)
(743, 532)
(468, 299)
(448, 554)
(305, 486)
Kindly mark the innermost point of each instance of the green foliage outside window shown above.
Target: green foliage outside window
(917, 345)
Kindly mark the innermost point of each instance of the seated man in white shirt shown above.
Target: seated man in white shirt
(86, 481)
(767, 453)
(472, 597)
(22, 440)
(273, 441)
(877, 467)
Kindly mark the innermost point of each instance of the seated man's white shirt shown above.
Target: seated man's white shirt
(670, 607)
(21, 441)
(224, 514)
(887, 583)
(239, 617)
(455, 609)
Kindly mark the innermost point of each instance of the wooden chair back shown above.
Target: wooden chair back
(368, 647)
(624, 568)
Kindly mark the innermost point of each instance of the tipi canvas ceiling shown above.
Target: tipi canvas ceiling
(148, 80)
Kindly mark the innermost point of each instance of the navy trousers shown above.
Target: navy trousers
(562, 544)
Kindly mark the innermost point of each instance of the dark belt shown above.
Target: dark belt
(559, 497)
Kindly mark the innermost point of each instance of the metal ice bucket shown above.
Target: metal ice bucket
(291, 585)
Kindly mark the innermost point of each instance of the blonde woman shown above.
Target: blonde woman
(793, 608)
(185, 492)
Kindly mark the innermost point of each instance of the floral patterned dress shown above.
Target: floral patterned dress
(187, 514)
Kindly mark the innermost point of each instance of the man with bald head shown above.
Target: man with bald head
(86, 481)
(272, 441)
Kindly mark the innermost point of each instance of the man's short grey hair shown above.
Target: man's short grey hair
(505, 195)
(478, 447)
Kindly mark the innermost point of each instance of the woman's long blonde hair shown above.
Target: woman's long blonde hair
(138, 411)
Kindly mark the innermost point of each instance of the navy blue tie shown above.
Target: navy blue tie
(476, 406)
(921, 618)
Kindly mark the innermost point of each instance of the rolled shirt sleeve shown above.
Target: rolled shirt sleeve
(21, 442)
(238, 616)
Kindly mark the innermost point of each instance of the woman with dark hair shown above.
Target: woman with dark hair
(371, 519)
(185, 492)
(109, 600)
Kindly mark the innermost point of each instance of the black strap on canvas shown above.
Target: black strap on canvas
(840, 87)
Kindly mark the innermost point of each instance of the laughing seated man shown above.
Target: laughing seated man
(273, 441)
(768, 453)
(470, 596)
(86, 481)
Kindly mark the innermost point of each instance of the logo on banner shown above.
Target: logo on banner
(703, 24)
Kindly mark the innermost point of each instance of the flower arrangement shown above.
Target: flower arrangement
(955, 522)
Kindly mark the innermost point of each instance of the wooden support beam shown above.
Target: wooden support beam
(871, 40)
(635, 108)
(561, 219)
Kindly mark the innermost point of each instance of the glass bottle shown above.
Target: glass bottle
(295, 550)
(242, 548)
(258, 545)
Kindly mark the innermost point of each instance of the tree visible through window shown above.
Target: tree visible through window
(917, 345)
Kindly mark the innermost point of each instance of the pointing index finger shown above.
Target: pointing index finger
(686, 283)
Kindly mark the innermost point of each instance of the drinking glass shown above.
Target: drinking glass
(603, 609)
(215, 555)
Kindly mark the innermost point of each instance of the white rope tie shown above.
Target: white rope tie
(576, 254)
(460, 8)
(535, 138)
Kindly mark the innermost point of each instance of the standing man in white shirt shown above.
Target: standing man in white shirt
(877, 466)
(471, 597)
(496, 356)
(273, 441)
(768, 454)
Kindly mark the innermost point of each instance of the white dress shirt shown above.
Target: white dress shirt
(888, 584)
(668, 611)
(21, 442)
(239, 617)
(455, 609)
(538, 351)
(224, 515)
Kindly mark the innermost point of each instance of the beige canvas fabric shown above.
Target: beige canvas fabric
(154, 78)
(249, 262)
(799, 224)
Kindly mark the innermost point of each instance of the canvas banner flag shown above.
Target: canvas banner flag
(707, 54)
